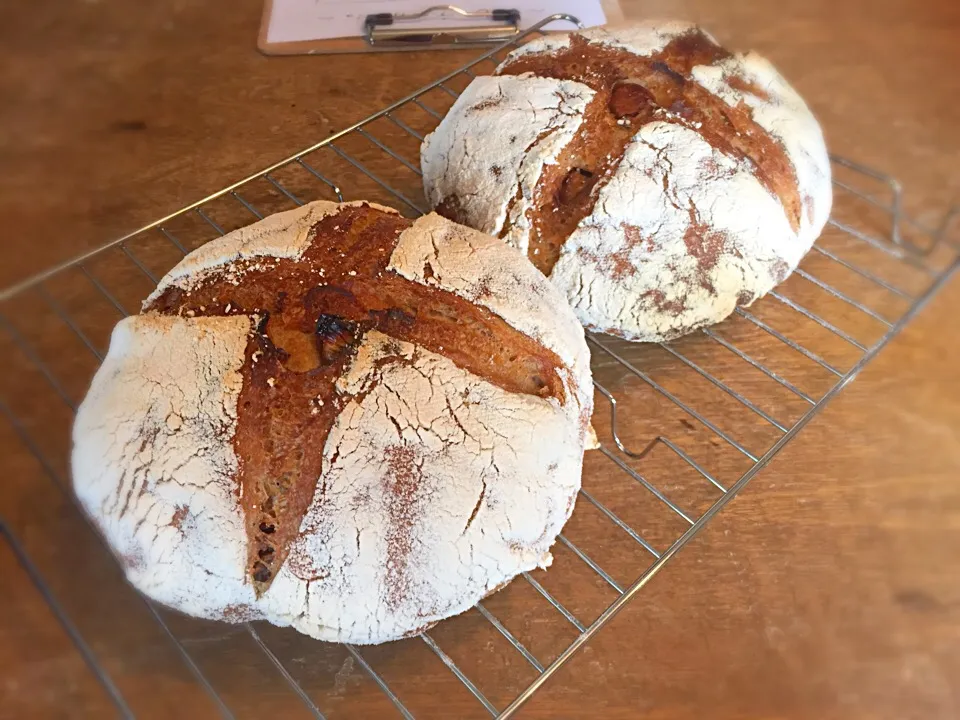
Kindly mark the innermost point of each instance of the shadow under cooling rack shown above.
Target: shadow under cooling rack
(683, 427)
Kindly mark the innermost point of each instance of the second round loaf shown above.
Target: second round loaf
(659, 180)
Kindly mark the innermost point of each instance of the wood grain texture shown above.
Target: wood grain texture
(825, 591)
(52, 679)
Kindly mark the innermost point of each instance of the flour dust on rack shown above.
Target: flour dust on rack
(684, 426)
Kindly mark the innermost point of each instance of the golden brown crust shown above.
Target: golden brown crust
(312, 313)
(632, 90)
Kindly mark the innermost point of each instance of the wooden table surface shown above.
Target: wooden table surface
(828, 589)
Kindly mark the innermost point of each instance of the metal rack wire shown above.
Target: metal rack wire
(684, 426)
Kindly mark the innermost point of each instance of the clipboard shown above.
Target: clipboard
(398, 26)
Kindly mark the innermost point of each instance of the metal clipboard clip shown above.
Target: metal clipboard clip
(384, 28)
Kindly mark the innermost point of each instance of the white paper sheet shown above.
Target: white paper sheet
(297, 20)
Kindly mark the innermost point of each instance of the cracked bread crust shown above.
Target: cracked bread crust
(352, 423)
(664, 181)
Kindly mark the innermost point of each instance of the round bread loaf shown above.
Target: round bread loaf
(340, 420)
(656, 178)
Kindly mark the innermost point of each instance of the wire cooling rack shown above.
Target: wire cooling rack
(684, 426)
